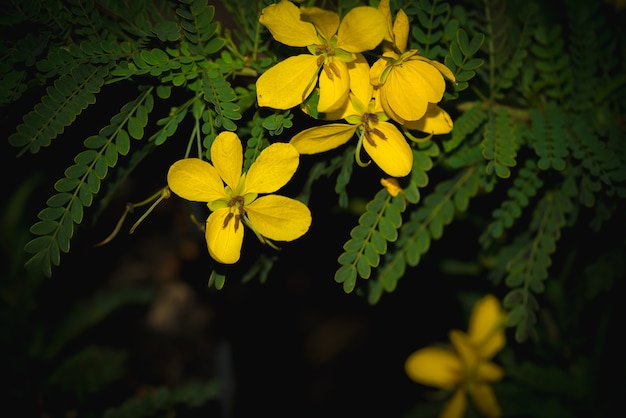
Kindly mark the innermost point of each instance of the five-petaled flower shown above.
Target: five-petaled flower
(384, 143)
(410, 85)
(333, 44)
(233, 196)
(467, 369)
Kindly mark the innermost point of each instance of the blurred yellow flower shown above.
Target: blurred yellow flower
(382, 140)
(467, 370)
(333, 44)
(408, 82)
(232, 196)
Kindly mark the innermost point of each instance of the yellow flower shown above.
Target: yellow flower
(333, 44)
(408, 82)
(383, 142)
(233, 196)
(467, 369)
(392, 185)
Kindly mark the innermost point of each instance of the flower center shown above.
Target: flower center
(370, 130)
(236, 204)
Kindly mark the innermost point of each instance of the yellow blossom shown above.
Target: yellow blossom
(233, 196)
(382, 141)
(408, 82)
(468, 369)
(392, 185)
(333, 44)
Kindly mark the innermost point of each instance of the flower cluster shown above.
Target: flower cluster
(401, 86)
(399, 91)
(468, 369)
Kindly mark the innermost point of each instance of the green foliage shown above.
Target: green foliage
(82, 181)
(378, 225)
(499, 144)
(425, 224)
(534, 170)
(58, 109)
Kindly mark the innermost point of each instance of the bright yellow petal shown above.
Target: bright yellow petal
(279, 218)
(392, 154)
(224, 243)
(434, 366)
(272, 169)
(377, 69)
(284, 23)
(334, 86)
(322, 138)
(410, 87)
(288, 83)
(227, 157)
(401, 31)
(325, 21)
(435, 121)
(441, 67)
(360, 85)
(486, 326)
(196, 180)
(456, 405)
(485, 400)
(384, 8)
(361, 29)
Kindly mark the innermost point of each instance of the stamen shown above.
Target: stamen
(227, 219)
(335, 69)
(328, 72)
(368, 131)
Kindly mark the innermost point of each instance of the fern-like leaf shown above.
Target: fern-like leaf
(519, 195)
(82, 181)
(425, 224)
(499, 143)
(63, 102)
(377, 226)
(550, 138)
(527, 265)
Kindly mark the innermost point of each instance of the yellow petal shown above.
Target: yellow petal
(467, 352)
(401, 31)
(325, 21)
(434, 366)
(279, 218)
(227, 158)
(376, 71)
(384, 8)
(392, 185)
(323, 138)
(439, 66)
(489, 372)
(334, 86)
(392, 154)
(410, 87)
(361, 29)
(456, 405)
(224, 243)
(288, 83)
(196, 180)
(272, 169)
(486, 326)
(360, 85)
(284, 23)
(485, 400)
(435, 121)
